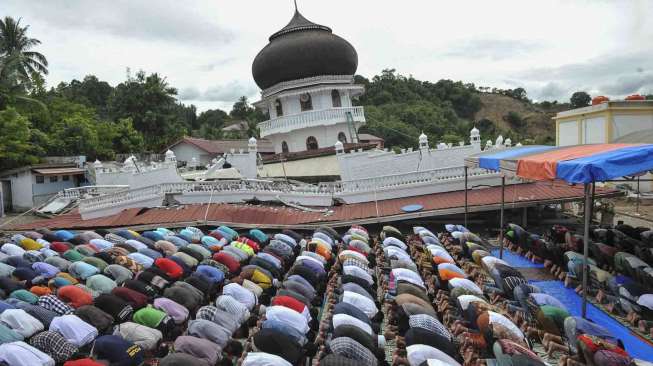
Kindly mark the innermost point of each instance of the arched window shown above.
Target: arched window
(311, 143)
(278, 107)
(284, 147)
(335, 98)
(306, 102)
(342, 137)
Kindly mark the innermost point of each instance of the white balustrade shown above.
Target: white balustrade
(80, 192)
(217, 187)
(124, 197)
(406, 179)
(320, 117)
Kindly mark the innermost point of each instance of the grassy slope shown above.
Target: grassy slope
(539, 122)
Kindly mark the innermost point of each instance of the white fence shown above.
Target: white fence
(233, 191)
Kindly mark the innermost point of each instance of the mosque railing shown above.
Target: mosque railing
(412, 178)
(84, 191)
(254, 186)
(307, 119)
(214, 187)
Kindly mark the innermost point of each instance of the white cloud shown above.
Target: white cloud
(206, 47)
(222, 93)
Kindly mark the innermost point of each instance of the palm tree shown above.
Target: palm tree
(252, 129)
(15, 42)
(13, 83)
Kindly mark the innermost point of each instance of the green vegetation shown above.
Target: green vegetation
(399, 108)
(143, 114)
(580, 99)
(90, 117)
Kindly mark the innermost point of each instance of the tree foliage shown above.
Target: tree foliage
(15, 42)
(15, 149)
(580, 99)
(143, 114)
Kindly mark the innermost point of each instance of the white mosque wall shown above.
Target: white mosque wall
(244, 161)
(185, 152)
(163, 172)
(375, 163)
(326, 135)
(321, 166)
(321, 99)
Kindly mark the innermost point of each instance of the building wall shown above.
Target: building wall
(245, 162)
(185, 152)
(602, 123)
(594, 130)
(21, 191)
(321, 100)
(166, 173)
(315, 167)
(42, 192)
(326, 136)
(624, 124)
(374, 163)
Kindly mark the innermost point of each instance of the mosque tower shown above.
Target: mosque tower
(306, 76)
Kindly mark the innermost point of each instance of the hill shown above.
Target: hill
(536, 118)
(399, 108)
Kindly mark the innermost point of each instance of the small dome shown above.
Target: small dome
(97, 163)
(499, 140)
(474, 132)
(303, 49)
(519, 144)
(338, 145)
(252, 140)
(508, 142)
(423, 138)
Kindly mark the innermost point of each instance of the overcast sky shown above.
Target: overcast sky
(206, 48)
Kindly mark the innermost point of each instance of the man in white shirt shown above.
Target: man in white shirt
(403, 274)
(74, 329)
(264, 359)
(243, 295)
(361, 302)
(358, 272)
(344, 319)
(288, 316)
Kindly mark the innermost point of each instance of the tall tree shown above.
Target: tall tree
(14, 41)
(14, 84)
(151, 104)
(580, 99)
(15, 148)
(241, 109)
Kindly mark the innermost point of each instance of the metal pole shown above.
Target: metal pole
(586, 237)
(503, 201)
(466, 208)
(638, 194)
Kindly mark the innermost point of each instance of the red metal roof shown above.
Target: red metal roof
(277, 216)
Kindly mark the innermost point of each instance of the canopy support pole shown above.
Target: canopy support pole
(466, 207)
(586, 235)
(503, 203)
(638, 195)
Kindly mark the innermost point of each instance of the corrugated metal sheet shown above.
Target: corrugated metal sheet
(277, 216)
(59, 171)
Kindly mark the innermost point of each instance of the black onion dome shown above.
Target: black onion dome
(300, 50)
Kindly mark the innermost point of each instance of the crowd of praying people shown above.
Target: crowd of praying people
(283, 298)
(620, 273)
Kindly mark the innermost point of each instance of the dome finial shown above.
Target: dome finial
(296, 6)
